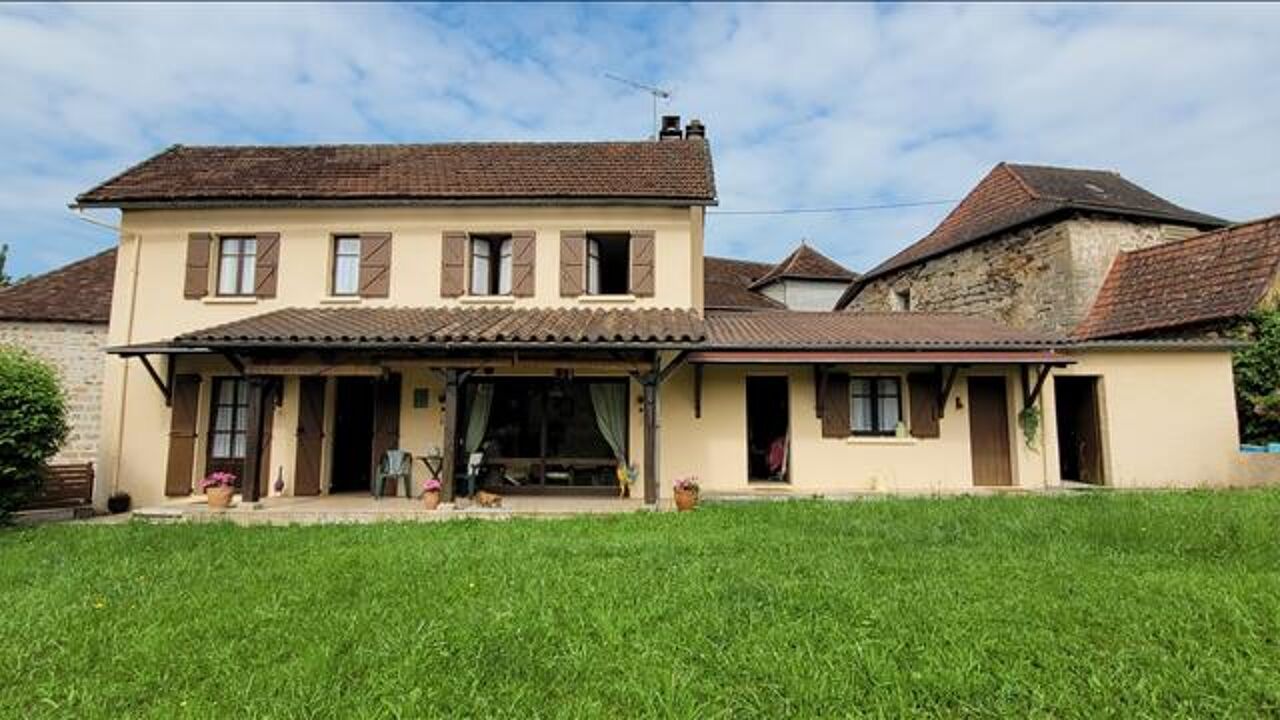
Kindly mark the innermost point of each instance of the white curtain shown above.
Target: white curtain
(346, 266)
(610, 403)
(504, 267)
(480, 267)
(593, 267)
(479, 401)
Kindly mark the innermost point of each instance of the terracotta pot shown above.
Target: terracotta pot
(431, 498)
(219, 496)
(686, 500)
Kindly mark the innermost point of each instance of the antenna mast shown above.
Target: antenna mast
(656, 92)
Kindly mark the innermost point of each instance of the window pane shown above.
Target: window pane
(226, 392)
(246, 273)
(480, 267)
(504, 268)
(862, 415)
(237, 447)
(249, 246)
(888, 414)
(221, 445)
(242, 391)
(593, 267)
(222, 421)
(349, 246)
(227, 274)
(860, 386)
(346, 274)
(888, 386)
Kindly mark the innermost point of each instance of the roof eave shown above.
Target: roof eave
(226, 203)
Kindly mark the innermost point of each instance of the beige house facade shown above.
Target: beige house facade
(534, 319)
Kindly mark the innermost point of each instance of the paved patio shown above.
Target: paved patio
(361, 508)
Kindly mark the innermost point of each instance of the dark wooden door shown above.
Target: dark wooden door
(306, 480)
(386, 419)
(1090, 435)
(182, 435)
(989, 431)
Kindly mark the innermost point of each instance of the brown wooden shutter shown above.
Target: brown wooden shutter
(199, 247)
(265, 263)
(386, 419)
(306, 469)
(523, 262)
(835, 407)
(642, 263)
(923, 390)
(182, 434)
(265, 478)
(453, 269)
(573, 262)
(375, 265)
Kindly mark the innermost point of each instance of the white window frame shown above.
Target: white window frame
(244, 261)
(339, 257)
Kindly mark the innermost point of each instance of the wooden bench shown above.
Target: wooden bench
(68, 485)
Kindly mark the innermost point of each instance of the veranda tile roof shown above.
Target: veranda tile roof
(669, 171)
(791, 329)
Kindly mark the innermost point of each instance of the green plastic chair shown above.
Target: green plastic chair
(395, 464)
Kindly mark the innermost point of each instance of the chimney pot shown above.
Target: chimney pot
(695, 128)
(670, 128)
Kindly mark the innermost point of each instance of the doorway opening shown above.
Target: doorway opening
(768, 436)
(1079, 429)
(352, 435)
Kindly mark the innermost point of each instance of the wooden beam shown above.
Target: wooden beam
(235, 362)
(950, 371)
(166, 390)
(697, 391)
(1029, 397)
(449, 446)
(650, 385)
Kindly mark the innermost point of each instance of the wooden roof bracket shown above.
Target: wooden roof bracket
(947, 380)
(1031, 392)
(166, 388)
(235, 361)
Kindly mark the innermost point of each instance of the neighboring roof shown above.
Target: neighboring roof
(1215, 276)
(726, 284)
(805, 263)
(79, 292)
(837, 330)
(444, 328)
(1013, 195)
(674, 171)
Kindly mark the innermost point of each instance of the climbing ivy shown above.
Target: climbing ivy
(1257, 371)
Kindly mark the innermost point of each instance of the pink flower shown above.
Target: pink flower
(217, 479)
(431, 485)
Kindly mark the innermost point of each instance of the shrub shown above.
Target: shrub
(1257, 369)
(33, 423)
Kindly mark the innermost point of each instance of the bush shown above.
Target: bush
(1257, 369)
(33, 423)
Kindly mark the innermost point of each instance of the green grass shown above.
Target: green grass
(1117, 605)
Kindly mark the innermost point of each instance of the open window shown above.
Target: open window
(1079, 423)
(608, 263)
(490, 264)
(902, 300)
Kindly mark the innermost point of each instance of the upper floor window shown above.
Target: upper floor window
(902, 300)
(490, 264)
(608, 264)
(876, 405)
(346, 265)
(236, 261)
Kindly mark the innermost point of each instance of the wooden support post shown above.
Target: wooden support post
(449, 445)
(650, 385)
(697, 390)
(259, 404)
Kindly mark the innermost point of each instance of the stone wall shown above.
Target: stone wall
(75, 349)
(1042, 276)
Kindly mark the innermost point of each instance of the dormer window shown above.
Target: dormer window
(608, 263)
(490, 264)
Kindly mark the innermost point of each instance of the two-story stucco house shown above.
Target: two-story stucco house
(537, 312)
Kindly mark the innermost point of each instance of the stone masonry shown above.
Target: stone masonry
(1042, 276)
(76, 350)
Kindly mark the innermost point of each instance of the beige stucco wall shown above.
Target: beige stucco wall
(714, 447)
(148, 303)
(799, 294)
(75, 351)
(1168, 417)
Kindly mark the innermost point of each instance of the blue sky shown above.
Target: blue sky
(806, 106)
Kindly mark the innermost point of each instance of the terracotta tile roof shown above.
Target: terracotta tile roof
(673, 171)
(79, 292)
(806, 263)
(839, 330)
(726, 284)
(438, 327)
(1216, 276)
(1013, 195)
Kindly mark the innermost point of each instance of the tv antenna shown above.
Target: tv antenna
(656, 92)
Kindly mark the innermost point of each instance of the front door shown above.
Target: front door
(989, 431)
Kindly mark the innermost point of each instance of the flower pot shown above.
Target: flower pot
(219, 496)
(118, 503)
(431, 498)
(686, 500)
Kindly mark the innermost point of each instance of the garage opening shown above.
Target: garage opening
(768, 439)
(1079, 429)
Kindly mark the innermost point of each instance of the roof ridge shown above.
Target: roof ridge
(1011, 168)
(444, 143)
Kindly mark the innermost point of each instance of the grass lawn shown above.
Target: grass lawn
(1099, 605)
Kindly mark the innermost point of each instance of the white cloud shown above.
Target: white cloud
(806, 105)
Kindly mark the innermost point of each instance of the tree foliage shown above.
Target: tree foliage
(1257, 370)
(33, 422)
(5, 280)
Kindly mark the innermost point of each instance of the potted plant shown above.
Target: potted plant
(431, 493)
(118, 502)
(218, 487)
(686, 490)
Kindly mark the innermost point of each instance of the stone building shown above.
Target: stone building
(62, 317)
(804, 280)
(1028, 246)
